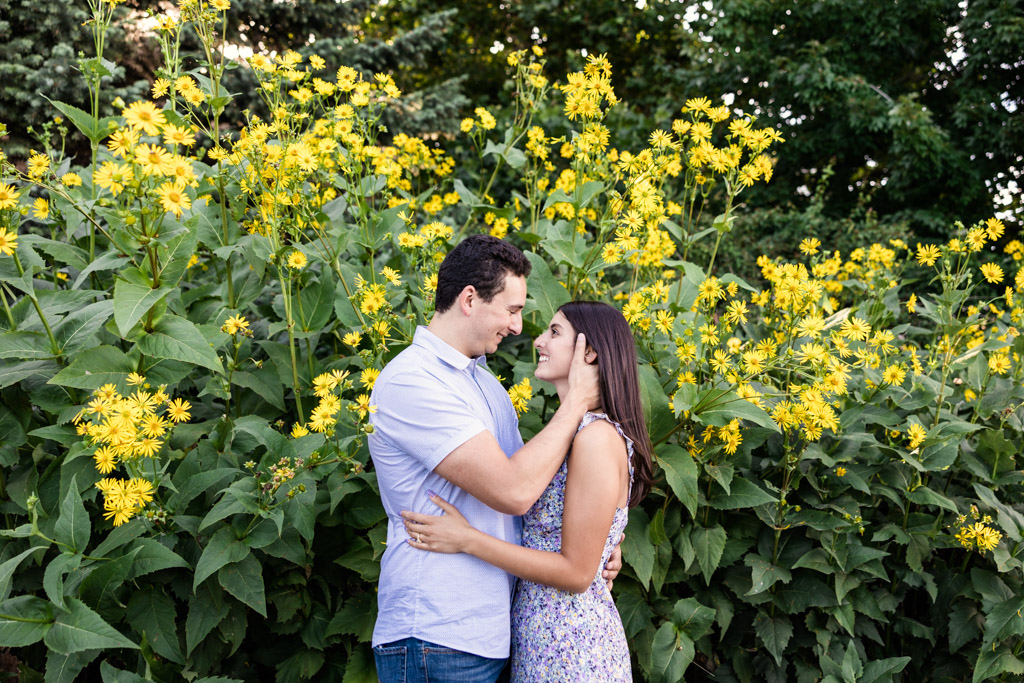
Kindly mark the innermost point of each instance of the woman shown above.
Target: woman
(564, 623)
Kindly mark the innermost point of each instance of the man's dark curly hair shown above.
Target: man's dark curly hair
(479, 260)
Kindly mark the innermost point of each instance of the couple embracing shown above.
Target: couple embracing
(470, 507)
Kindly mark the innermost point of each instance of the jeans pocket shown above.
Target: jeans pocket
(455, 666)
(391, 663)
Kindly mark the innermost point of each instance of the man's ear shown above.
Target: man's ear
(467, 298)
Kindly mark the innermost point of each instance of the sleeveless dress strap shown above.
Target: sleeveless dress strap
(590, 417)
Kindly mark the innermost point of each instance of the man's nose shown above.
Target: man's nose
(516, 324)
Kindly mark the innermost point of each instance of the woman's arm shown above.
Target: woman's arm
(595, 485)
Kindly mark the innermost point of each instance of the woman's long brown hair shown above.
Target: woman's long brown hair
(608, 333)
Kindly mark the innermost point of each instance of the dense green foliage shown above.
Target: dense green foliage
(192, 322)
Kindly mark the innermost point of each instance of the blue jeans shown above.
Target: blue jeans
(412, 660)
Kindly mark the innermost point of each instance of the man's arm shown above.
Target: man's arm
(512, 484)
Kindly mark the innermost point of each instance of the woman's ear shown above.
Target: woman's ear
(590, 355)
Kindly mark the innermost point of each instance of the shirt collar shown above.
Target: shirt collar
(447, 353)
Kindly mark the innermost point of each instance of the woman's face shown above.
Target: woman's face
(554, 350)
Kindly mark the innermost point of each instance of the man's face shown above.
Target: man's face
(501, 316)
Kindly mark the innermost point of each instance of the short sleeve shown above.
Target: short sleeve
(423, 417)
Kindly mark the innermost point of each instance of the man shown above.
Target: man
(445, 424)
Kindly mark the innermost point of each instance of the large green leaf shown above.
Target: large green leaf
(692, 618)
(774, 632)
(743, 494)
(154, 556)
(708, 543)
(10, 566)
(317, 303)
(206, 609)
(176, 338)
(671, 654)
(92, 368)
(244, 580)
(82, 629)
(546, 293)
(637, 549)
(764, 574)
(73, 527)
(174, 255)
(25, 344)
(53, 577)
(222, 549)
(17, 633)
(132, 301)
(77, 330)
(681, 474)
(151, 611)
(97, 589)
(719, 409)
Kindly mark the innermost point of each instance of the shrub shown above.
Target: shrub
(193, 322)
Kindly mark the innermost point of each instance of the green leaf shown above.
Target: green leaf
(774, 632)
(994, 662)
(244, 580)
(671, 654)
(764, 574)
(719, 408)
(546, 293)
(635, 612)
(965, 623)
(301, 666)
(566, 251)
(15, 633)
(176, 338)
(78, 329)
(92, 368)
(1004, 619)
(151, 612)
(114, 675)
(923, 495)
(996, 451)
(65, 668)
(16, 372)
(23, 345)
(222, 549)
(692, 618)
(206, 609)
(175, 255)
(82, 629)
(132, 301)
(154, 556)
(317, 304)
(708, 543)
(882, 670)
(360, 667)
(637, 549)
(355, 617)
(73, 526)
(8, 568)
(744, 494)
(680, 473)
(92, 128)
(98, 588)
(53, 577)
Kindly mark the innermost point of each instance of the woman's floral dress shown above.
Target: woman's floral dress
(558, 635)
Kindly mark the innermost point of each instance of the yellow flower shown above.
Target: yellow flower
(121, 142)
(297, 260)
(894, 374)
(299, 431)
(38, 164)
(145, 116)
(161, 87)
(912, 304)
(855, 328)
(221, 5)
(173, 197)
(809, 246)
(134, 379)
(916, 433)
(520, 394)
(106, 460)
(927, 255)
(71, 180)
(992, 272)
(235, 324)
(8, 196)
(368, 376)
(177, 410)
(112, 176)
(840, 471)
(174, 135)
(999, 363)
(40, 208)
(352, 339)
(362, 405)
(153, 160)
(391, 275)
(994, 228)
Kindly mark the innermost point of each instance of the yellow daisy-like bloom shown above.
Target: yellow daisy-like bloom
(894, 375)
(916, 433)
(135, 379)
(112, 176)
(992, 272)
(855, 328)
(122, 142)
(154, 160)
(362, 405)
(161, 87)
(144, 116)
(520, 394)
(299, 431)
(999, 363)
(994, 228)
(297, 260)
(177, 410)
(8, 196)
(71, 180)
(352, 339)
(368, 376)
(106, 460)
(38, 164)
(928, 254)
(840, 471)
(173, 197)
(235, 324)
(220, 5)
(173, 135)
(40, 208)
(809, 246)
